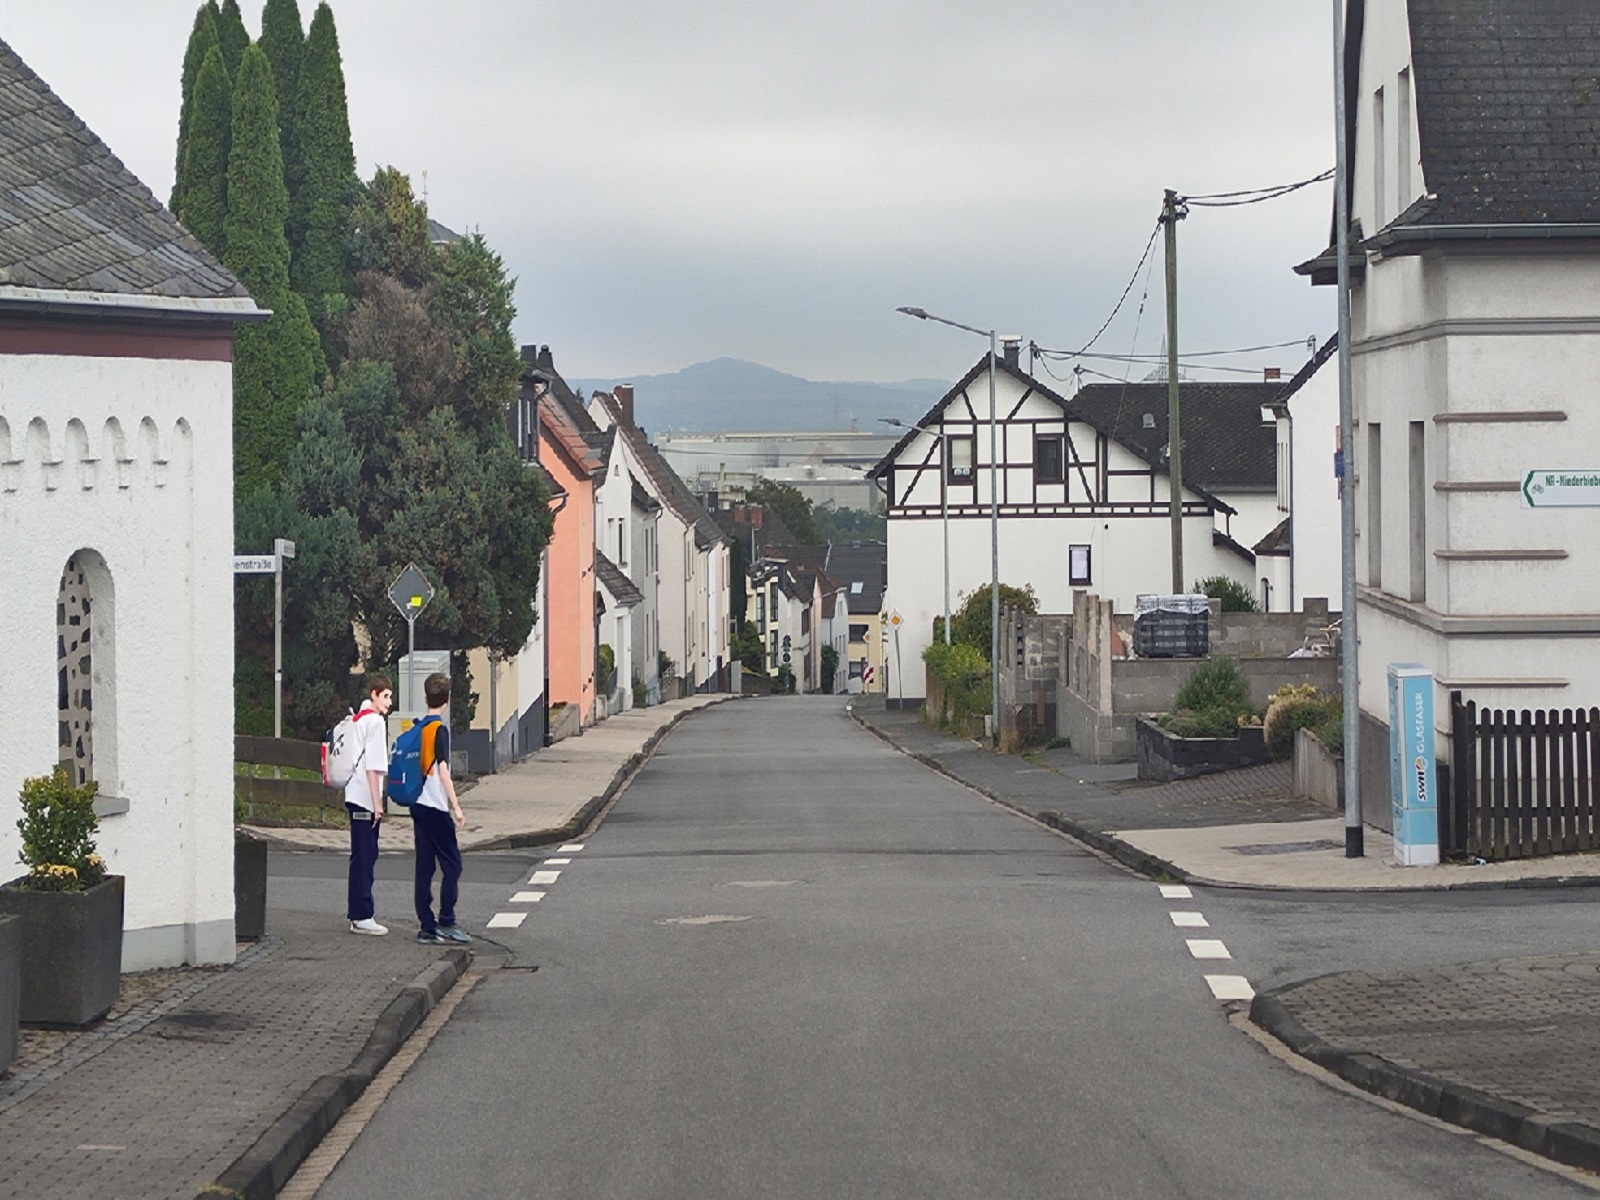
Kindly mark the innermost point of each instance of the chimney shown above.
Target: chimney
(624, 394)
(545, 360)
(1010, 349)
(1271, 375)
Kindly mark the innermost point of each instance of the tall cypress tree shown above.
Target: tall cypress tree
(203, 185)
(285, 42)
(233, 36)
(201, 38)
(322, 207)
(275, 366)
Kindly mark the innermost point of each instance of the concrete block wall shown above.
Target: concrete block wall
(1268, 635)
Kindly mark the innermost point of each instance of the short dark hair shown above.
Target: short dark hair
(436, 688)
(378, 682)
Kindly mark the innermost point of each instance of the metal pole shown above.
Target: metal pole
(994, 548)
(411, 663)
(1169, 218)
(1349, 666)
(944, 518)
(277, 645)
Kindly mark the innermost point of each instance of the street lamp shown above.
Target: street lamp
(994, 511)
(944, 514)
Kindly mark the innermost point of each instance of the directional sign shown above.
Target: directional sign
(1561, 489)
(254, 564)
(411, 592)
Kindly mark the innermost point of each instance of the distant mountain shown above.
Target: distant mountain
(731, 395)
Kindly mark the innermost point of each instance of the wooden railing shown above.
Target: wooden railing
(1522, 784)
(267, 789)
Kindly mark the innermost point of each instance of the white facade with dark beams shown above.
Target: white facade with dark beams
(1078, 508)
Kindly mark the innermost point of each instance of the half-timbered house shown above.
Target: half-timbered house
(1083, 501)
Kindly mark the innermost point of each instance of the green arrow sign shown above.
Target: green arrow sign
(1561, 489)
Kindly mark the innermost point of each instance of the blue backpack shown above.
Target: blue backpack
(410, 761)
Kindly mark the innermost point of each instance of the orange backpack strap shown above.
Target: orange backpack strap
(429, 748)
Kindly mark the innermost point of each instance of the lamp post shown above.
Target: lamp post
(994, 512)
(944, 514)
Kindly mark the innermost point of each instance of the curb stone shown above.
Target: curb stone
(1571, 1143)
(262, 1170)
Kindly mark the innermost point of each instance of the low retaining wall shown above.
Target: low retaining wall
(1165, 758)
(1318, 771)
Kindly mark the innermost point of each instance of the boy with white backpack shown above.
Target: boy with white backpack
(363, 799)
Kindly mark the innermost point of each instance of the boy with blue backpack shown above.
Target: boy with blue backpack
(419, 777)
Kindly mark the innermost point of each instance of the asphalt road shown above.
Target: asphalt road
(793, 963)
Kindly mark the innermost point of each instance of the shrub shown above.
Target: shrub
(1234, 595)
(963, 673)
(1206, 723)
(58, 827)
(1301, 706)
(1216, 683)
(970, 625)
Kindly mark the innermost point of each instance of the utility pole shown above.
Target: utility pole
(1172, 211)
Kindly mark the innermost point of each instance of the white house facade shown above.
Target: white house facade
(1301, 556)
(1476, 343)
(116, 524)
(1079, 508)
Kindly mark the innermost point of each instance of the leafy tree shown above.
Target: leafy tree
(970, 624)
(471, 299)
(204, 182)
(284, 41)
(202, 37)
(788, 502)
(325, 176)
(232, 36)
(848, 525)
(747, 648)
(275, 366)
(390, 230)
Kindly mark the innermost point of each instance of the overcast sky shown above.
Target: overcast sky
(674, 182)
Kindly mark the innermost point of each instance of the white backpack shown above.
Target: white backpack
(341, 753)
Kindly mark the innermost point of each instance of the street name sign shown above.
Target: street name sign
(254, 564)
(1561, 489)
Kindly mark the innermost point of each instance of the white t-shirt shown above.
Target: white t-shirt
(372, 756)
(432, 786)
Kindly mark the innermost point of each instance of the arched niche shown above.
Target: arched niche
(114, 451)
(79, 453)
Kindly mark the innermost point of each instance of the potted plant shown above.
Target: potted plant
(69, 909)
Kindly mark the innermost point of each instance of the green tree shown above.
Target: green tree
(848, 525)
(232, 36)
(202, 37)
(284, 41)
(471, 301)
(1235, 596)
(788, 502)
(389, 230)
(275, 366)
(326, 184)
(204, 182)
(970, 625)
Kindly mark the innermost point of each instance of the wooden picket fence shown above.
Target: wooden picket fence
(1522, 784)
(263, 790)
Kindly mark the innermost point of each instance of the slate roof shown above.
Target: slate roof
(674, 492)
(617, 582)
(866, 563)
(1226, 446)
(73, 219)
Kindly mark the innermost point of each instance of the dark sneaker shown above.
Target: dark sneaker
(430, 937)
(451, 933)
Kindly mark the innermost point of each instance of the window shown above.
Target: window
(772, 648)
(1048, 458)
(1419, 513)
(1379, 154)
(761, 610)
(1078, 572)
(1372, 482)
(858, 633)
(960, 459)
(1402, 133)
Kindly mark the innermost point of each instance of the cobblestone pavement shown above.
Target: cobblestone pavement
(158, 1100)
(1522, 1029)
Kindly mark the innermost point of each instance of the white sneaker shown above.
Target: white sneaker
(368, 925)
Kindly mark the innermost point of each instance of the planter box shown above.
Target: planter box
(1318, 771)
(249, 888)
(71, 951)
(10, 988)
(1164, 757)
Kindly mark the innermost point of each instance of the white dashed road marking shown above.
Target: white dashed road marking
(527, 898)
(1208, 948)
(1231, 987)
(507, 920)
(1189, 920)
(545, 877)
(557, 862)
(1175, 891)
(571, 848)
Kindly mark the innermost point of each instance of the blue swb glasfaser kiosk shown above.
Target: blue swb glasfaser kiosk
(1413, 781)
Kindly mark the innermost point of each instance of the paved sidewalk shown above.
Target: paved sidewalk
(224, 1078)
(1509, 1047)
(547, 797)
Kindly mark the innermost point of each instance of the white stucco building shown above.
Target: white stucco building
(1475, 190)
(116, 522)
(1301, 556)
(1083, 499)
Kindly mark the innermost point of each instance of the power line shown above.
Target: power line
(1254, 195)
(1132, 279)
(1044, 352)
